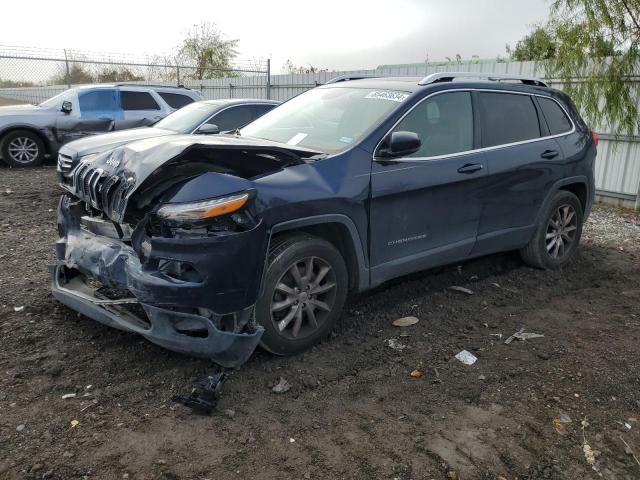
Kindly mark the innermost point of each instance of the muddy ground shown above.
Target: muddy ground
(353, 411)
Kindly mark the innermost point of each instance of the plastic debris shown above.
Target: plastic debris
(405, 321)
(560, 423)
(68, 395)
(466, 357)
(204, 398)
(20, 427)
(456, 288)
(395, 344)
(74, 423)
(522, 335)
(18, 309)
(415, 373)
(282, 386)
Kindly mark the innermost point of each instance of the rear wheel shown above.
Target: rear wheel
(22, 148)
(556, 238)
(304, 291)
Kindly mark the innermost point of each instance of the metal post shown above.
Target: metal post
(178, 75)
(66, 64)
(268, 79)
(230, 90)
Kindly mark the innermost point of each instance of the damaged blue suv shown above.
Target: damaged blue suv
(212, 246)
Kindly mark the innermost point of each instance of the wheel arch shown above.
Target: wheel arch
(578, 185)
(49, 148)
(341, 232)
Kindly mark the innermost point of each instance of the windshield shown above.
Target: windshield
(188, 118)
(57, 99)
(326, 119)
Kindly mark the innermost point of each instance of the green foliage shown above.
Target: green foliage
(538, 45)
(597, 56)
(208, 52)
(78, 74)
(117, 74)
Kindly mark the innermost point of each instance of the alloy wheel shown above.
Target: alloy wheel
(23, 149)
(561, 231)
(303, 298)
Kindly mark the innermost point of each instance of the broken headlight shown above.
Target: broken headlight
(196, 212)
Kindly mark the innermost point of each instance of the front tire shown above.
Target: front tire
(305, 288)
(557, 236)
(22, 148)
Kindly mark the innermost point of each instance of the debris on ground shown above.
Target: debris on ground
(629, 451)
(560, 423)
(20, 427)
(18, 309)
(74, 423)
(405, 321)
(415, 373)
(204, 398)
(282, 386)
(68, 395)
(522, 335)
(395, 344)
(466, 357)
(456, 288)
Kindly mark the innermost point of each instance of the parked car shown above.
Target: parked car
(29, 132)
(231, 241)
(205, 117)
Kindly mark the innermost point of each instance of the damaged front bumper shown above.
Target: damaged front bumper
(208, 314)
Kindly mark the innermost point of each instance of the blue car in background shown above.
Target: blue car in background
(226, 242)
(30, 132)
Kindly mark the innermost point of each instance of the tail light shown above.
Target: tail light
(595, 137)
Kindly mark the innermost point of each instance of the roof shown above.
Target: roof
(411, 84)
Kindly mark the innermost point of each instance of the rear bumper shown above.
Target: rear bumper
(206, 315)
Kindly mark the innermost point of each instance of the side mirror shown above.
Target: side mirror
(67, 106)
(208, 129)
(400, 144)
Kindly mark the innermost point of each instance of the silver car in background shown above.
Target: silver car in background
(30, 132)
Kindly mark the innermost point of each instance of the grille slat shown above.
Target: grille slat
(101, 190)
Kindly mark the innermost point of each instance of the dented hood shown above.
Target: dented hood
(162, 160)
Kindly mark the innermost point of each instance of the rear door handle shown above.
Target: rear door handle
(549, 154)
(470, 168)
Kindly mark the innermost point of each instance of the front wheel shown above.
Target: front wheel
(305, 289)
(556, 238)
(22, 148)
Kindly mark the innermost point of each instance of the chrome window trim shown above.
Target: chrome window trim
(477, 150)
(227, 108)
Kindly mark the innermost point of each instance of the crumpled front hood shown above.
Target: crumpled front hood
(166, 160)
(107, 141)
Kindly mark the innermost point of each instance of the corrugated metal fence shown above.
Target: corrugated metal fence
(618, 163)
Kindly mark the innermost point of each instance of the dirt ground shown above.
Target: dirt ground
(353, 411)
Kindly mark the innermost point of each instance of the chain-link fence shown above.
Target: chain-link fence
(33, 75)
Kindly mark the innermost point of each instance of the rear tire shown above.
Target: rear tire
(22, 148)
(305, 288)
(556, 238)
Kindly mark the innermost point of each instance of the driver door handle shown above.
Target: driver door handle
(470, 168)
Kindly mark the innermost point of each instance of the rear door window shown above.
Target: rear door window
(259, 110)
(175, 100)
(507, 118)
(138, 101)
(444, 124)
(232, 118)
(557, 120)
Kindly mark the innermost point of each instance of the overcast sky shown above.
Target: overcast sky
(333, 34)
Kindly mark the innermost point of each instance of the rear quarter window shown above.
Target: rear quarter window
(557, 120)
(138, 101)
(507, 118)
(176, 100)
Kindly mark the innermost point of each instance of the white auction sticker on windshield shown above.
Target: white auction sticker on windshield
(297, 138)
(388, 95)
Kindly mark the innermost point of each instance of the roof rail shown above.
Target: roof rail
(152, 85)
(357, 76)
(495, 77)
